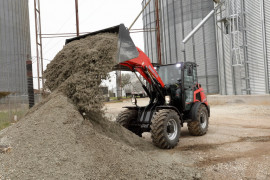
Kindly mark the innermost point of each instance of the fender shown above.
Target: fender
(131, 107)
(194, 110)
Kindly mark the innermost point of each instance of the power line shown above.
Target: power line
(58, 36)
(96, 9)
(51, 34)
(48, 50)
(43, 58)
(69, 18)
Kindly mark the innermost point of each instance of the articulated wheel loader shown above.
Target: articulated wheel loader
(175, 95)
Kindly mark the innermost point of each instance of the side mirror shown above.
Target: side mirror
(134, 100)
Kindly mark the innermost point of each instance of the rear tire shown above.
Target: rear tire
(199, 125)
(165, 129)
(126, 117)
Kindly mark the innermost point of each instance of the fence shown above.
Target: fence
(13, 107)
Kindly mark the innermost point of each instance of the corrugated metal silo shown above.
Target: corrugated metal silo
(267, 36)
(14, 45)
(255, 41)
(243, 46)
(177, 19)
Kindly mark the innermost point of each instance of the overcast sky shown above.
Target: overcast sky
(58, 16)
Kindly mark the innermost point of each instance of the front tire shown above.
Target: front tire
(126, 117)
(165, 129)
(199, 125)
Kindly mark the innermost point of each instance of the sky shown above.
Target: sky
(58, 16)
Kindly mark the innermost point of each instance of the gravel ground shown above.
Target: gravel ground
(54, 141)
(237, 145)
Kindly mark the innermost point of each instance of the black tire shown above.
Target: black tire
(199, 125)
(164, 121)
(126, 117)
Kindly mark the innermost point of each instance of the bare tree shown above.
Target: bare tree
(125, 80)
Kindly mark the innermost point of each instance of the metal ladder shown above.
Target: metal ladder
(233, 17)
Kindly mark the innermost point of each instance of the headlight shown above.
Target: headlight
(167, 99)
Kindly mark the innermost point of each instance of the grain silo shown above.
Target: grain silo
(14, 45)
(243, 35)
(177, 19)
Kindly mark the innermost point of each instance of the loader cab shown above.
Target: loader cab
(180, 81)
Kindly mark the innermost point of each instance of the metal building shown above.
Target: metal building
(177, 18)
(14, 45)
(243, 36)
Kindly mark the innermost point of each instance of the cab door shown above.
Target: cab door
(190, 81)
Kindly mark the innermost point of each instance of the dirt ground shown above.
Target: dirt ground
(237, 145)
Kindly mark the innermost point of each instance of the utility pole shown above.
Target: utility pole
(77, 17)
(38, 43)
(158, 31)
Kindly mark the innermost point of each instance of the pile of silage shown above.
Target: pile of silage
(79, 68)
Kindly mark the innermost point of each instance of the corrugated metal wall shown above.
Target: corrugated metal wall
(177, 19)
(225, 65)
(250, 75)
(255, 47)
(14, 45)
(267, 32)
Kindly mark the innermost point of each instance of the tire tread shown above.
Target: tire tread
(157, 128)
(194, 127)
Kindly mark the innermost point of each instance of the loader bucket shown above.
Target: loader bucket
(126, 48)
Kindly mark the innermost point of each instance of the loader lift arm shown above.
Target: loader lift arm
(142, 65)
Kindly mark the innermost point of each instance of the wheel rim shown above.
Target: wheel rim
(203, 120)
(172, 129)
